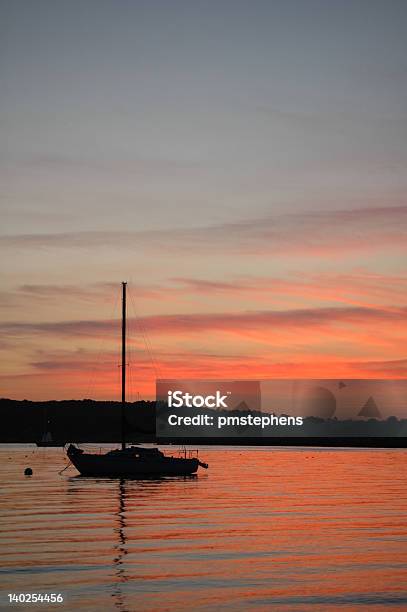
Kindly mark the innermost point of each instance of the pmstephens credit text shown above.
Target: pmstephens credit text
(178, 399)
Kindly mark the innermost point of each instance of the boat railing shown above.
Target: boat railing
(183, 452)
(188, 453)
(93, 450)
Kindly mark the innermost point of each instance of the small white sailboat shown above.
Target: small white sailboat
(47, 439)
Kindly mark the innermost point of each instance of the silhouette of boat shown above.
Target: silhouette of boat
(130, 461)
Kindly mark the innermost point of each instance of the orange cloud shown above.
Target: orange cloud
(227, 322)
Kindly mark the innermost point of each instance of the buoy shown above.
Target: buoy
(28, 472)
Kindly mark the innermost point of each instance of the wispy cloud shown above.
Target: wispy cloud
(84, 374)
(312, 233)
(92, 292)
(359, 288)
(393, 368)
(227, 322)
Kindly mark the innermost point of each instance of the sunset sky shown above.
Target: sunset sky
(241, 164)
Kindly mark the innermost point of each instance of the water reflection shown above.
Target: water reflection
(121, 498)
(120, 547)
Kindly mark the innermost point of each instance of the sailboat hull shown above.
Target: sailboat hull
(119, 467)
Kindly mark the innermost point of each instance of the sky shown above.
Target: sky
(240, 164)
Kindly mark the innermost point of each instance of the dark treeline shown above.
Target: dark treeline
(98, 422)
(75, 421)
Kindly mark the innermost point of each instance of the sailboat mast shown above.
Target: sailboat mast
(122, 427)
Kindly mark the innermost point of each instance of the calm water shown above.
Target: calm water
(261, 529)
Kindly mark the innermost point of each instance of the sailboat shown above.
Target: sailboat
(130, 461)
(47, 439)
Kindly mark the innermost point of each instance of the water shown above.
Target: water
(282, 529)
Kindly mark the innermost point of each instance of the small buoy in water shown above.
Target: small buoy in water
(28, 472)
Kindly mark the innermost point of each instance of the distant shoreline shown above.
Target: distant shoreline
(96, 422)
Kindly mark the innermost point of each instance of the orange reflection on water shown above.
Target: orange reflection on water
(281, 528)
